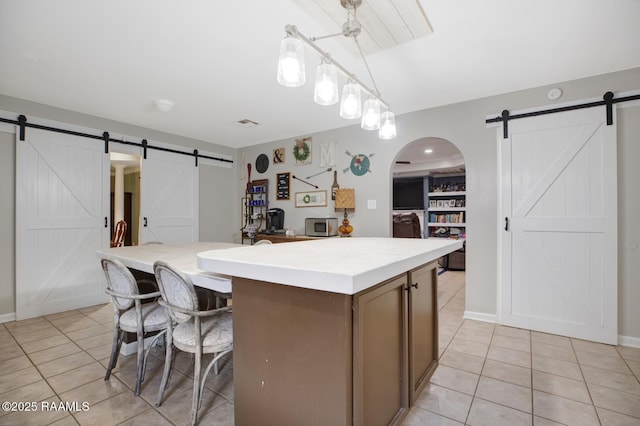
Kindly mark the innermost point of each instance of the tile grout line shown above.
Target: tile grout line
(484, 362)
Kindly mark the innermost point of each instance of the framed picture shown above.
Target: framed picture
(302, 151)
(283, 184)
(279, 155)
(452, 203)
(440, 204)
(311, 199)
(432, 203)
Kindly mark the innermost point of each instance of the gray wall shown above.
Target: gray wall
(628, 223)
(7, 219)
(464, 125)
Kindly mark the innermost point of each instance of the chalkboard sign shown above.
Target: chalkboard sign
(283, 181)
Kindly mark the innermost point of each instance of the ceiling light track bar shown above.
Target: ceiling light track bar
(22, 123)
(292, 30)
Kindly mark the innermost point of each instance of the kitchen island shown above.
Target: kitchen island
(335, 331)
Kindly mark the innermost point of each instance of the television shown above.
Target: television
(408, 193)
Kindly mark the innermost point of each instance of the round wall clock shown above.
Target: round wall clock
(262, 163)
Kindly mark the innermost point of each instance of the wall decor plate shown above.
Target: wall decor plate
(360, 164)
(262, 163)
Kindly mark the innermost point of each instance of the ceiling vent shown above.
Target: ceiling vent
(247, 123)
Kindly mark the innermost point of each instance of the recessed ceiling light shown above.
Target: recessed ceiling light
(428, 151)
(163, 105)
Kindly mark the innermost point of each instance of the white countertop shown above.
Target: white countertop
(339, 265)
(181, 256)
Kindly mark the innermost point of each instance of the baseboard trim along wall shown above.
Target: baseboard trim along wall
(480, 316)
(633, 342)
(7, 317)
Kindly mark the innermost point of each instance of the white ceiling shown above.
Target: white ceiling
(385, 23)
(217, 60)
(443, 157)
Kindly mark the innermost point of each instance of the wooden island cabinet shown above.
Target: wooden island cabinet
(395, 345)
(333, 331)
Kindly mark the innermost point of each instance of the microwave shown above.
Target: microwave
(321, 227)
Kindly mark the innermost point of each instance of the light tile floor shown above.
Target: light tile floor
(488, 375)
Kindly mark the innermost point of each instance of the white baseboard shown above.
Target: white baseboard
(7, 317)
(479, 316)
(633, 342)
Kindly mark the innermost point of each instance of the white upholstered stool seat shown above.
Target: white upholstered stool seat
(153, 318)
(217, 334)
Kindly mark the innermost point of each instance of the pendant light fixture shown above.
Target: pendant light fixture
(291, 69)
(291, 73)
(371, 114)
(326, 89)
(351, 103)
(387, 125)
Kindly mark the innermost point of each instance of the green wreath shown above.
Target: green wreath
(304, 155)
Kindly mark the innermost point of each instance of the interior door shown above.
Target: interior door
(559, 235)
(169, 198)
(62, 188)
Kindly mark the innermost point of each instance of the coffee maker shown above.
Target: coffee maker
(275, 221)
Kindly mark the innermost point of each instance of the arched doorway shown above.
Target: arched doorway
(429, 180)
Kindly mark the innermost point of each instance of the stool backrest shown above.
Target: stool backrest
(176, 290)
(119, 280)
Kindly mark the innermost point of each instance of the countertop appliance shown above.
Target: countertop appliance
(275, 220)
(321, 226)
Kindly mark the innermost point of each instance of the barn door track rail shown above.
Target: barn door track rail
(608, 99)
(23, 124)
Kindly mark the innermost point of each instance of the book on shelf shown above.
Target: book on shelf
(446, 217)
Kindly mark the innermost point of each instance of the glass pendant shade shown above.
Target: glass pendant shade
(371, 114)
(387, 125)
(350, 106)
(326, 90)
(291, 69)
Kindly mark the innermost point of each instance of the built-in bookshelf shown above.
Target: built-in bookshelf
(447, 208)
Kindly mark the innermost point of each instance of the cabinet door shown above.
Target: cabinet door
(380, 354)
(423, 327)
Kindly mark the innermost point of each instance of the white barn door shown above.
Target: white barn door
(62, 188)
(169, 198)
(559, 252)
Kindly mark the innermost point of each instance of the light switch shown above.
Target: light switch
(371, 204)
